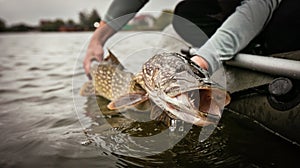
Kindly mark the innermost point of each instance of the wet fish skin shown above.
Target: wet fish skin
(110, 80)
(169, 81)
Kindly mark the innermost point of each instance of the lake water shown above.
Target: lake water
(45, 123)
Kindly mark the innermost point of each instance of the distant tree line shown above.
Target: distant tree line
(86, 23)
(2, 25)
(87, 20)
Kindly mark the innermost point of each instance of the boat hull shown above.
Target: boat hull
(251, 97)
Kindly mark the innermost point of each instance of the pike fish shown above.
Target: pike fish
(171, 83)
(111, 81)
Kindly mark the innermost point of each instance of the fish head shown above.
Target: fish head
(173, 86)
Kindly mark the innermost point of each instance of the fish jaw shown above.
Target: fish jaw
(175, 96)
(168, 81)
(181, 107)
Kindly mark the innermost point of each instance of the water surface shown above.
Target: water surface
(41, 126)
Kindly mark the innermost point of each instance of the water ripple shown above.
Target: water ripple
(8, 91)
(38, 69)
(39, 126)
(27, 79)
(63, 122)
(29, 86)
(54, 89)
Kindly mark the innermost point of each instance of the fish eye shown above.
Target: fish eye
(149, 71)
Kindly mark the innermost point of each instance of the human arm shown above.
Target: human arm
(95, 48)
(119, 13)
(236, 32)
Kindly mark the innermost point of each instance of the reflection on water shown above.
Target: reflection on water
(39, 125)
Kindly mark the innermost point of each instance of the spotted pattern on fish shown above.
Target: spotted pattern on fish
(171, 84)
(110, 80)
(169, 73)
(168, 81)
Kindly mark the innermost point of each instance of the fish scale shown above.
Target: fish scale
(171, 82)
(109, 80)
(168, 81)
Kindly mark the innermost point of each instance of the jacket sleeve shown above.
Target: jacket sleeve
(237, 31)
(121, 11)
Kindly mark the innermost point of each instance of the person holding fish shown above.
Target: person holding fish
(231, 25)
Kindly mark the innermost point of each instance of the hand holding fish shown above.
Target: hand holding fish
(168, 80)
(95, 48)
(200, 61)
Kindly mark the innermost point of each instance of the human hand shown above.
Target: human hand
(200, 61)
(191, 52)
(95, 48)
(94, 53)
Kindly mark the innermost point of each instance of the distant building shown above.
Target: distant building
(45, 22)
(69, 28)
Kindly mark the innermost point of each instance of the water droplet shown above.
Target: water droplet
(86, 142)
(173, 125)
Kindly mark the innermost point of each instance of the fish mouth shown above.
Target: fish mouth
(200, 107)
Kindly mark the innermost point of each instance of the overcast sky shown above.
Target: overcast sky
(31, 11)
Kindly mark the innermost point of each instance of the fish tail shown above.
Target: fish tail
(87, 89)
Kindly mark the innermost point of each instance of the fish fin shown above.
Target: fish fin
(208, 104)
(222, 97)
(138, 77)
(213, 100)
(160, 115)
(87, 89)
(113, 59)
(127, 100)
(203, 123)
(155, 112)
(228, 98)
(143, 106)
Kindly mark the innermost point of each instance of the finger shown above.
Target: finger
(200, 61)
(89, 58)
(86, 66)
(89, 76)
